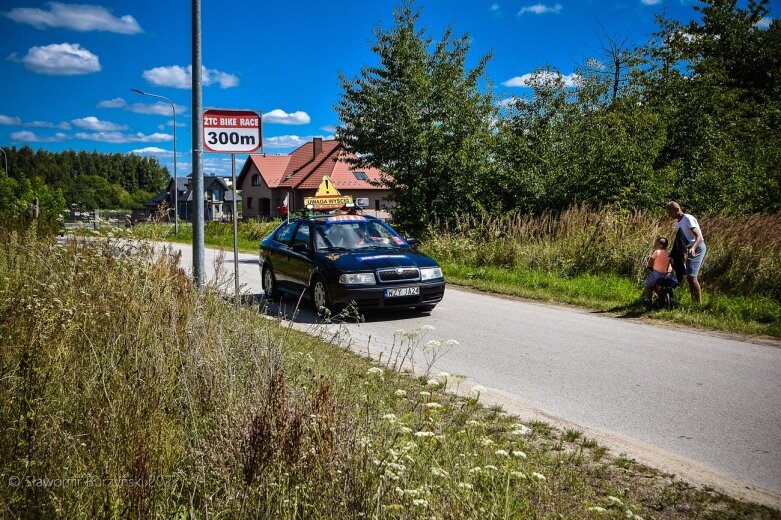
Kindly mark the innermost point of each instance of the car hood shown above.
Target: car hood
(378, 259)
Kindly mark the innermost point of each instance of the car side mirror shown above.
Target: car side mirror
(300, 248)
(412, 241)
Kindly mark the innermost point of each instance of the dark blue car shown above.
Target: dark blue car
(339, 259)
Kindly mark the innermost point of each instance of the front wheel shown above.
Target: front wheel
(320, 298)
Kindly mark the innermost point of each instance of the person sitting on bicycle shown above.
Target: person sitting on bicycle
(659, 265)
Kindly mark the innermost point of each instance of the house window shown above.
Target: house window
(249, 202)
(256, 180)
(376, 204)
(217, 194)
(361, 176)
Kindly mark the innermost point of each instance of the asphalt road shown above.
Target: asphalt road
(672, 396)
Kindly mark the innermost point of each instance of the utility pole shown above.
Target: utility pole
(198, 196)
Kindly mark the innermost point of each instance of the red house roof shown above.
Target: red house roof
(305, 167)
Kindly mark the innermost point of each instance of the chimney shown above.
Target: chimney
(317, 145)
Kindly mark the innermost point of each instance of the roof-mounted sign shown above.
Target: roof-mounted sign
(231, 131)
(327, 196)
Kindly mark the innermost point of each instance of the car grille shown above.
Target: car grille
(399, 274)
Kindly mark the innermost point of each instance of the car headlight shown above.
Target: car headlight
(430, 273)
(357, 279)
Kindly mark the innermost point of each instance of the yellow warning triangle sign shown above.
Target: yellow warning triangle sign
(327, 188)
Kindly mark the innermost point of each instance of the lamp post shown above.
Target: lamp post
(176, 180)
(6, 161)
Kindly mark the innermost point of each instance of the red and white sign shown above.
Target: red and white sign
(231, 131)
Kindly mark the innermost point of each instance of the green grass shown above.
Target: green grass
(154, 399)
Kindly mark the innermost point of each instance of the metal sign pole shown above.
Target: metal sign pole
(235, 233)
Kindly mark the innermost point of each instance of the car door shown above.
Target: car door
(280, 255)
(301, 258)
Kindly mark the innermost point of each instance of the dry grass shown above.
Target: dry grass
(126, 393)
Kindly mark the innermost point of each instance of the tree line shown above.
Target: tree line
(694, 114)
(90, 179)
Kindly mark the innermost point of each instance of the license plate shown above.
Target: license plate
(402, 291)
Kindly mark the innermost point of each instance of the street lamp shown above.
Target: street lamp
(6, 161)
(176, 180)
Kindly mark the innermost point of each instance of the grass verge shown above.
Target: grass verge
(126, 393)
(753, 315)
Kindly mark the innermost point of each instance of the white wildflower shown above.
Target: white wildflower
(443, 375)
(518, 474)
(452, 343)
(597, 509)
(539, 476)
(476, 470)
(473, 423)
(399, 332)
(420, 502)
(520, 429)
(475, 392)
(485, 441)
(501, 453)
(490, 467)
(433, 382)
(465, 485)
(390, 417)
(374, 371)
(519, 454)
(405, 429)
(433, 406)
(426, 328)
(424, 393)
(400, 393)
(424, 433)
(439, 472)
(615, 501)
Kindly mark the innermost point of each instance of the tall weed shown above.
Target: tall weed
(744, 253)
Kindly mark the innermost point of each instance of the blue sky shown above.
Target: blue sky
(68, 68)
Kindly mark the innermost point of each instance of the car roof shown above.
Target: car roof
(323, 216)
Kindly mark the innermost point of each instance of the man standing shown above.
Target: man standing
(696, 249)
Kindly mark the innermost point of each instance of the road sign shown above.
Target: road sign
(327, 196)
(231, 131)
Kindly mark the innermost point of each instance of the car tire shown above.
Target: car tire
(270, 290)
(426, 308)
(318, 292)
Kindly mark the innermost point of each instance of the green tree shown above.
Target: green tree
(717, 83)
(420, 117)
(16, 195)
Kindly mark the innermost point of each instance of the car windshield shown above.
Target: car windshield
(348, 232)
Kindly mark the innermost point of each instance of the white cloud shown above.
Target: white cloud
(60, 59)
(78, 17)
(8, 120)
(328, 128)
(541, 9)
(523, 81)
(650, 2)
(113, 103)
(119, 137)
(495, 7)
(32, 137)
(47, 124)
(181, 77)
(764, 22)
(93, 123)
(151, 150)
(290, 141)
(280, 116)
(160, 108)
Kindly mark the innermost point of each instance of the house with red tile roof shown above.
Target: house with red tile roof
(266, 181)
